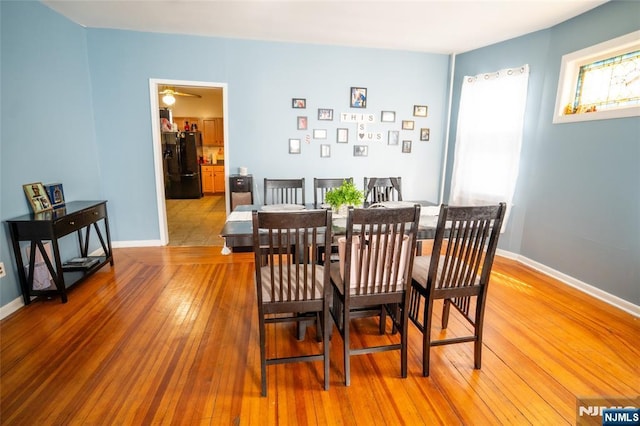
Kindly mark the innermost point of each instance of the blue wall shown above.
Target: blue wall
(47, 116)
(577, 203)
(75, 109)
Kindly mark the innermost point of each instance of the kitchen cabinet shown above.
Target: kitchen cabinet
(212, 179)
(213, 131)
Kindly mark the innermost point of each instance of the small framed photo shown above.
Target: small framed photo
(325, 150)
(424, 134)
(298, 103)
(406, 146)
(302, 123)
(358, 97)
(388, 116)
(408, 124)
(294, 146)
(394, 137)
(37, 196)
(55, 194)
(325, 114)
(342, 136)
(360, 150)
(319, 133)
(419, 110)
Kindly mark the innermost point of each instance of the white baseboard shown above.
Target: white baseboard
(575, 283)
(138, 243)
(11, 307)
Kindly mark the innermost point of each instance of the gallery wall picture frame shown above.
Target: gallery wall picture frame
(424, 134)
(55, 192)
(358, 97)
(360, 150)
(388, 116)
(298, 103)
(294, 146)
(325, 150)
(325, 114)
(37, 197)
(408, 124)
(319, 133)
(342, 135)
(406, 147)
(394, 137)
(420, 110)
(302, 122)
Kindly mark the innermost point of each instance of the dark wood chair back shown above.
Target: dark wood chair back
(378, 190)
(284, 191)
(373, 276)
(322, 185)
(457, 271)
(290, 279)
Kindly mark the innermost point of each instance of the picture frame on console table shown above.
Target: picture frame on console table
(37, 196)
(55, 193)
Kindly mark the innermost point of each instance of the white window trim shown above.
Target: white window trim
(567, 80)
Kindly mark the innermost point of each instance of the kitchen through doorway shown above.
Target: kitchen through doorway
(188, 219)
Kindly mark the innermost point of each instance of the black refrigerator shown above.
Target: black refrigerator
(182, 152)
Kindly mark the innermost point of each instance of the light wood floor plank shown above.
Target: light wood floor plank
(169, 336)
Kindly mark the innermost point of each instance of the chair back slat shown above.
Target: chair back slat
(323, 185)
(284, 191)
(376, 253)
(286, 252)
(379, 190)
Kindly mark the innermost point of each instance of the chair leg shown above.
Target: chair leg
(346, 341)
(426, 338)
(383, 319)
(404, 342)
(326, 321)
(263, 357)
(446, 307)
(319, 326)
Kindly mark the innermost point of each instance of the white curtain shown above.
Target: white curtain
(489, 137)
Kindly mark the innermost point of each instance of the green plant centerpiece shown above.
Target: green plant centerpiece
(342, 197)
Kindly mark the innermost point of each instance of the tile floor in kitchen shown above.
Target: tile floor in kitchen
(196, 222)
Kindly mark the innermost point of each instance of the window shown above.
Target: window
(600, 82)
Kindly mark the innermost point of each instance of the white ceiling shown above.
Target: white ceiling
(436, 26)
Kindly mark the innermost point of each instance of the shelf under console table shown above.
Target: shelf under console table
(77, 216)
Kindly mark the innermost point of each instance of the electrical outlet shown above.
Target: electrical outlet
(2, 271)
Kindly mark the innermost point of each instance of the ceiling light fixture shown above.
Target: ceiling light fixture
(168, 99)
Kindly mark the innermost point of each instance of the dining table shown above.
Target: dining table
(238, 228)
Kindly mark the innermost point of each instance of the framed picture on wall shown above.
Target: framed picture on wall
(360, 150)
(37, 196)
(358, 97)
(419, 110)
(294, 146)
(298, 103)
(302, 123)
(319, 133)
(424, 134)
(388, 116)
(325, 114)
(325, 150)
(406, 146)
(342, 136)
(408, 124)
(394, 137)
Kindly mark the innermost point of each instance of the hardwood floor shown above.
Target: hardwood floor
(169, 336)
(196, 222)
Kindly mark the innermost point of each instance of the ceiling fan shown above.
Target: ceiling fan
(169, 93)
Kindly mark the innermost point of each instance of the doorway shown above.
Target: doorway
(190, 221)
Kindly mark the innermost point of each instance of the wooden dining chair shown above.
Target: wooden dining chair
(373, 276)
(458, 272)
(322, 185)
(291, 280)
(377, 190)
(284, 191)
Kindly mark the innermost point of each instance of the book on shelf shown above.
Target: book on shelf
(80, 263)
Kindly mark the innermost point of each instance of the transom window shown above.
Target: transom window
(600, 82)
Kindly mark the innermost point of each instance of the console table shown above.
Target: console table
(76, 216)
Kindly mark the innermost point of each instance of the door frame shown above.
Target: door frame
(154, 84)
